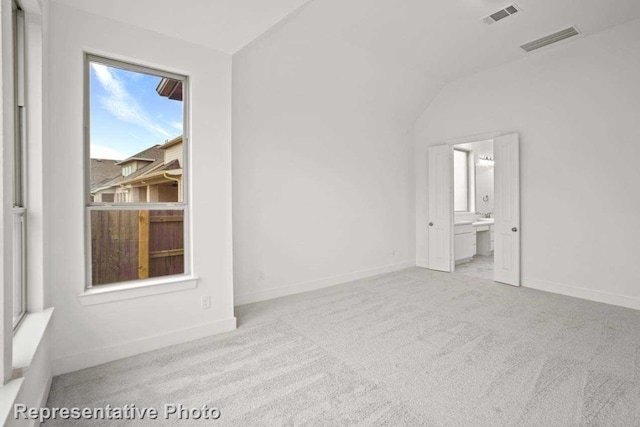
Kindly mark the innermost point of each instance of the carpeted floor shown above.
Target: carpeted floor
(480, 266)
(409, 348)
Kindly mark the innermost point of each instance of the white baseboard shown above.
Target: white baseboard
(318, 284)
(99, 356)
(44, 398)
(588, 294)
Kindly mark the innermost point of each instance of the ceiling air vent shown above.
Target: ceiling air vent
(550, 39)
(501, 14)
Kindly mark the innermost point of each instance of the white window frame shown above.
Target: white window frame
(90, 206)
(20, 164)
(19, 346)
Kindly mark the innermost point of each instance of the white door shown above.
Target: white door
(441, 208)
(507, 209)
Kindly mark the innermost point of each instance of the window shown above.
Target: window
(461, 180)
(137, 172)
(19, 170)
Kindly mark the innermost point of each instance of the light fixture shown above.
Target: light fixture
(485, 162)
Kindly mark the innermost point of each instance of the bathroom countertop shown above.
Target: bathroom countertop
(476, 223)
(479, 223)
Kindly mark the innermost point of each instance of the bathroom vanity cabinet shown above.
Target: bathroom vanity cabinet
(484, 238)
(464, 241)
(471, 238)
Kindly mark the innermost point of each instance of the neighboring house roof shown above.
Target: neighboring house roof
(172, 165)
(142, 173)
(149, 155)
(170, 88)
(103, 170)
(154, 171)
(131, 159)
(121, 180)
(154, 155)
(156, 167)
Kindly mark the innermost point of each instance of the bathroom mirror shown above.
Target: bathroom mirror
(473, 169)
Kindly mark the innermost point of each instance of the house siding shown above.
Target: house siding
(173, 153)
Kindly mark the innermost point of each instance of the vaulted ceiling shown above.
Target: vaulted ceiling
(224, 25)
(444, 39)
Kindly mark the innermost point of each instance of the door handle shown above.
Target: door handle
(514, 229)
(430, 224)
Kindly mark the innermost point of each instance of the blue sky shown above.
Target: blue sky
(127, 114)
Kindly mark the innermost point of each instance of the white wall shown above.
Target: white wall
(484, 189)
(323, 169)
(87, 335)
(577, 109)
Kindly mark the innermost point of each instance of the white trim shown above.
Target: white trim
(44, 397)
(583, 293)
(140, 288)
(8, 395)
(126, 65)
(473, 138)
(184, 204)
(27, 340)
(99, 356)
(35, 129)
(318, 284)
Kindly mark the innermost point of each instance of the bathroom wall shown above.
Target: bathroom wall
(484, 189)
(484, 177)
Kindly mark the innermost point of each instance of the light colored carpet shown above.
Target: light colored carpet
(480, 266)
(409, 348)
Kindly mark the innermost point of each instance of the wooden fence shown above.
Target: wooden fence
(136, 244)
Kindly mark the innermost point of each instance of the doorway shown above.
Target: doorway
(473, 206)
(458, 219)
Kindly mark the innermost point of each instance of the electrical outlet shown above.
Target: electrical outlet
(206, 302)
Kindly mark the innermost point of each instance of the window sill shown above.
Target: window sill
(110, 293)
(26, 342)
(8, 395)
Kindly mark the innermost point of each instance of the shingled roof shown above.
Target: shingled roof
(153, 155)
(104, 170)
(150, 154)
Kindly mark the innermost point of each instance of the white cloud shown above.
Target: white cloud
(138, 137)
(121, 104)
(177, 126)
(102, 152)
